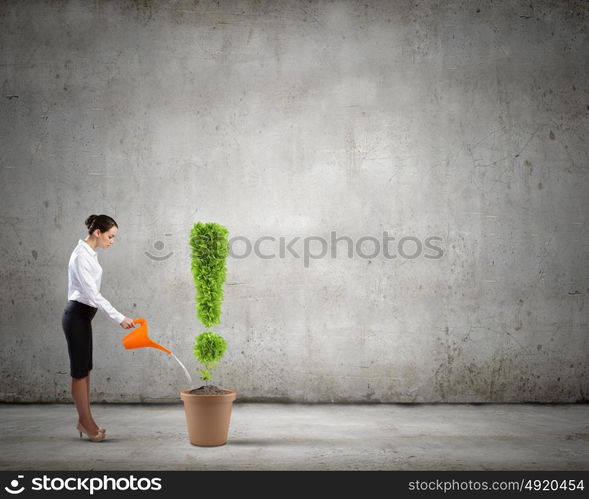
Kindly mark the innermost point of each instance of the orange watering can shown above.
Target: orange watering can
(138, 338)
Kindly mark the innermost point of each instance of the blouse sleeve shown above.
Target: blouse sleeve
(85, 276)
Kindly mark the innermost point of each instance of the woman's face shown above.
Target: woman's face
(105, 239)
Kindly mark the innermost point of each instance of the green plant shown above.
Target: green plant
(209, 348)
(210, 248)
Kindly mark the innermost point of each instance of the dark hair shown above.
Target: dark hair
(102, 222)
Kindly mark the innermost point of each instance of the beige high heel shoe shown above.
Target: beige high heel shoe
(99, 437)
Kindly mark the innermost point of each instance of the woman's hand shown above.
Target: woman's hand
(127, 323)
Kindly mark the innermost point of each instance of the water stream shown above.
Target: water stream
(185, 370)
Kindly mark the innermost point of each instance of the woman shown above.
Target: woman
(84, 299)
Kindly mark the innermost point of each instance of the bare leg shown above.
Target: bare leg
(80, 392)
(87, 378)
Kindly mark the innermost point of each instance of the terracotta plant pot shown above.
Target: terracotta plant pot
(207, 417)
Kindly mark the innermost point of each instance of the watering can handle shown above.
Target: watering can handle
(140, 320)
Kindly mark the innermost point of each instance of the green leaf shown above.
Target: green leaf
(209, 250)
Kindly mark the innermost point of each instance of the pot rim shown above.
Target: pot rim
(184, 394)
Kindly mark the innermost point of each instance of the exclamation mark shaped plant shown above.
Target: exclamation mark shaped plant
(210, 247)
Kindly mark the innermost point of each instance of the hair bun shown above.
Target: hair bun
(90, 220)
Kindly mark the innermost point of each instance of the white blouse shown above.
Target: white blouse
(84, 277)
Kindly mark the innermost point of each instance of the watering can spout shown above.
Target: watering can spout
(138, 338)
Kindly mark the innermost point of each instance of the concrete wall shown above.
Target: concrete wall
(462, 121)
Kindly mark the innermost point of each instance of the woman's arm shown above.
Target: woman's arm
(84, 274)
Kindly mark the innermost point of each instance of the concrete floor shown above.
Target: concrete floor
(304, 437)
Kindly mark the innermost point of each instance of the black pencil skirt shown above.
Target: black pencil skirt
(77, 326)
